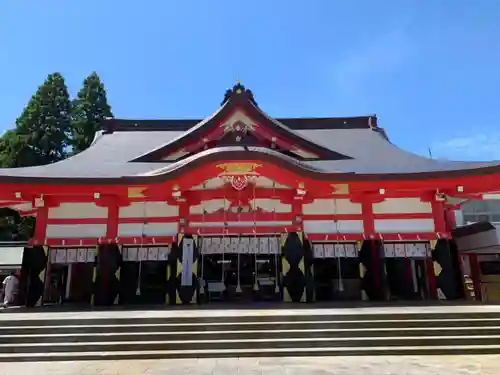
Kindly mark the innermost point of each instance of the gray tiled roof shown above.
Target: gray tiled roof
(370, 151)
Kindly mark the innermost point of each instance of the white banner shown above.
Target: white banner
(226, 242)
(71, 255)
(163, 253)
(337, 250)
(318, 250)
(206, 245)
(399, 250)
(61, 256)
(244, 245)
(53, 254)
(274, 245)
(81, 255)
(91, 255)
(350, 250)
(142, 254)
(329, 250)
(234, 247)
(406, 250)
(263, 245)
(151, 254)
(254, 245)
(241, 245)
(389, 250)
(187, 262)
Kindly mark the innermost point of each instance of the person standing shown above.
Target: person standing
(10, 285)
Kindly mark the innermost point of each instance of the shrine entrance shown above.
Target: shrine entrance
(336, 272)
(240, 269)
(406, 269)
(144, 275)
(69, 276)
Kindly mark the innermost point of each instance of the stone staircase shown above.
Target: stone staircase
(308, 333)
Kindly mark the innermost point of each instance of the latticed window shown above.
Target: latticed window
(481, 210)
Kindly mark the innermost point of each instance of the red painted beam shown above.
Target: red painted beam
(122, 220)
(220, 216)
(247, 231)
(152, 240)
(88, 242)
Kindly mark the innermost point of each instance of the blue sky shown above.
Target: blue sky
(429, 69)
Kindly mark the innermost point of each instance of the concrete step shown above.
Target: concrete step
(50, 328)
(240, 318)
(268, 343)
(459, 332)
(251, 333)
(252, 352)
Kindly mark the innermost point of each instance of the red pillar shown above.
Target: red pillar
(369, 232)
(184, 215)
(368, 219)
(41, 225)
(438, 212)
(112, 223)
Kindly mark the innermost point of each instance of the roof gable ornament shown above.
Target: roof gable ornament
(239, 92)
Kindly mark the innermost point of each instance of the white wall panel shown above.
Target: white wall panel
(212, 183)
(265, 182)
(150, 229)
(404, 226)
(402, 206)
(209, 206)
(152, 209)
(77, 210)
(76, 231)
(329, 206)
(328, 226)
(271, 205)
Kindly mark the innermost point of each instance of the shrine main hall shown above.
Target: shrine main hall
(242, 207)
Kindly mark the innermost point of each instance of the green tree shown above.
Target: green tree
(41, 136)
(44, 127)
(90, 107)
(14, 227)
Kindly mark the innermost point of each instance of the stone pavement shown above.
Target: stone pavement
(397, 365)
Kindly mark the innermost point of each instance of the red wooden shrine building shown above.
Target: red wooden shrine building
(241, 206)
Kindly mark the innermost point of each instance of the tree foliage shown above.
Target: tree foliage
(14, 227)
(90, 108)
(44, 133)
(44, 127)
(12, 149)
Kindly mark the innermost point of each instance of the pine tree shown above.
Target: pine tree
(44, 127)
(89, 109)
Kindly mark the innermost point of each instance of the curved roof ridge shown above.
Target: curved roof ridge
(200, 155)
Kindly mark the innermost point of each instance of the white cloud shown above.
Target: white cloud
(479, 146)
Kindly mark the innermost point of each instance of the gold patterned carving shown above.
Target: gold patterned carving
(340, 188)
(238, 169)
(136, 192)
